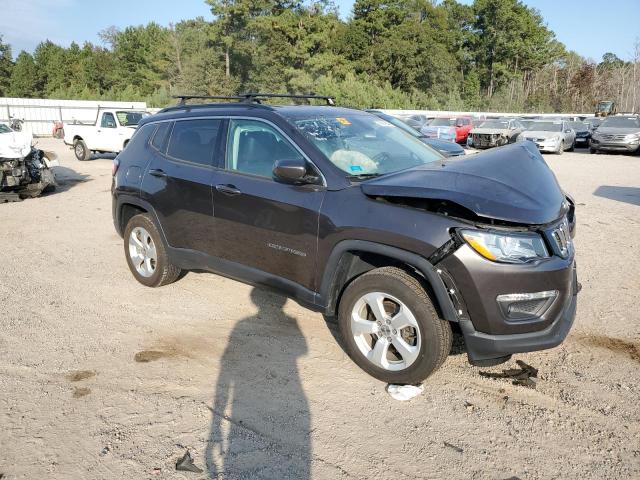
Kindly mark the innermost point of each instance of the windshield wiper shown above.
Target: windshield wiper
(363, 176)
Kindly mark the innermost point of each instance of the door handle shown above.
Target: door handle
(156, 172)
(230, 190)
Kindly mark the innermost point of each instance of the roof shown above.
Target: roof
(257, 109)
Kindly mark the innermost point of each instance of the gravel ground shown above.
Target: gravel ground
(101, 377)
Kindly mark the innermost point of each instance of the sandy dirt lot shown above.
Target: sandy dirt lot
(103, 378)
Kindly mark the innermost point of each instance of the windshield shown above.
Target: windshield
(501, 124)
(130, 119)
(5, 129)
(578, 126)
(621, 122)
(363, 145)
(440, 122)
(605, 106)
(545, 127)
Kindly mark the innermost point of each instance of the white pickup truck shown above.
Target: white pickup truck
(110, 133)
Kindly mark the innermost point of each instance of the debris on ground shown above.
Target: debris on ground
(526, 375)
(80, 392)
(453, 447)
(79, 375)
(185, 464)
(469, 405)
(105, 451)
(25, 171)
(404, 393)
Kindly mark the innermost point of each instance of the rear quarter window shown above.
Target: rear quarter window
(161, 137)
(194, 140)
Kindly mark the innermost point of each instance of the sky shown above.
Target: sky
(589, 27)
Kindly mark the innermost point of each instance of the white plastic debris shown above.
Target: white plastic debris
(404, 393)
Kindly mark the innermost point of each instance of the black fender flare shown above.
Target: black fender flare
(327, 296)
(125, 199)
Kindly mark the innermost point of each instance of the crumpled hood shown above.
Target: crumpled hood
(511, 183)
(15, 144)
(490, 131)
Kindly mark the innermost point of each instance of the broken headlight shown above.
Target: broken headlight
(506, 247)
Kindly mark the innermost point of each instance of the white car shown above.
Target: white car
(550, 136)
(109, 134)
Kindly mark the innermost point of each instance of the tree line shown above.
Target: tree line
(421, 54)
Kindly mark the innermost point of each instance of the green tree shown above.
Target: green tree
(6, 66)
(24, 77)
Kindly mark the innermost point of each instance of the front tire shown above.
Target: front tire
(81, 150)
(146, 254)
(593, 150)
(390, 327)
(561, 148)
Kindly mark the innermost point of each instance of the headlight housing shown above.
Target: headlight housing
(506, 247)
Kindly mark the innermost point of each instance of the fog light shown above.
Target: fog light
(526, 306)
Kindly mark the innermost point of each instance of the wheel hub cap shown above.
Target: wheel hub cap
(142, 252)
(385, 331)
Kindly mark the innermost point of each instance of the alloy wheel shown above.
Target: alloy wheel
(142, 252)
(385, 331)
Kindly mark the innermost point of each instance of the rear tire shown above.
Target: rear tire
(572, 148)
(81, 150)
(407, 319)
(146, 254)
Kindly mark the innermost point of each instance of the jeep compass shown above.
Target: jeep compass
(355, 218)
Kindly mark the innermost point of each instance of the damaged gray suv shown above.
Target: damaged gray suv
(353, 217)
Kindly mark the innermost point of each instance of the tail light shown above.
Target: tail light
(115, 166)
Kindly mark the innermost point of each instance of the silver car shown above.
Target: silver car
(550, 136)
(620, 133)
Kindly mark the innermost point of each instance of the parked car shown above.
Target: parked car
(110, 133)
(441, 128)
(417, 121)
(448, 149)
(463, 126)
(593, 122)
(352, 217)
(495, 133)
(550, 136)
(583, 133)
(617, 134)
(25, 171)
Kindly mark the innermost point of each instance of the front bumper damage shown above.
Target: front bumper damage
(476, 285)
(26, 177)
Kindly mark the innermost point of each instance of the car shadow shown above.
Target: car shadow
(67, 178)
(260, 425)
(621, 194)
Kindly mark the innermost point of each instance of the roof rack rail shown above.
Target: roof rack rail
(254, 97)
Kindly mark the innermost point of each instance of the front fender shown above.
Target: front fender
(327, 297)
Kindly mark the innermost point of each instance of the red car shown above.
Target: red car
(463, 127)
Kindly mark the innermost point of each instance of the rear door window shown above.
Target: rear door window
(194, 140)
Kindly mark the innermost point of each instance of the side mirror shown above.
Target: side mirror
(290, 170)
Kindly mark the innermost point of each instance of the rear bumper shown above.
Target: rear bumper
(483, 347)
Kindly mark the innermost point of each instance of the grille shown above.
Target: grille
(530, 307)
(612, 138)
